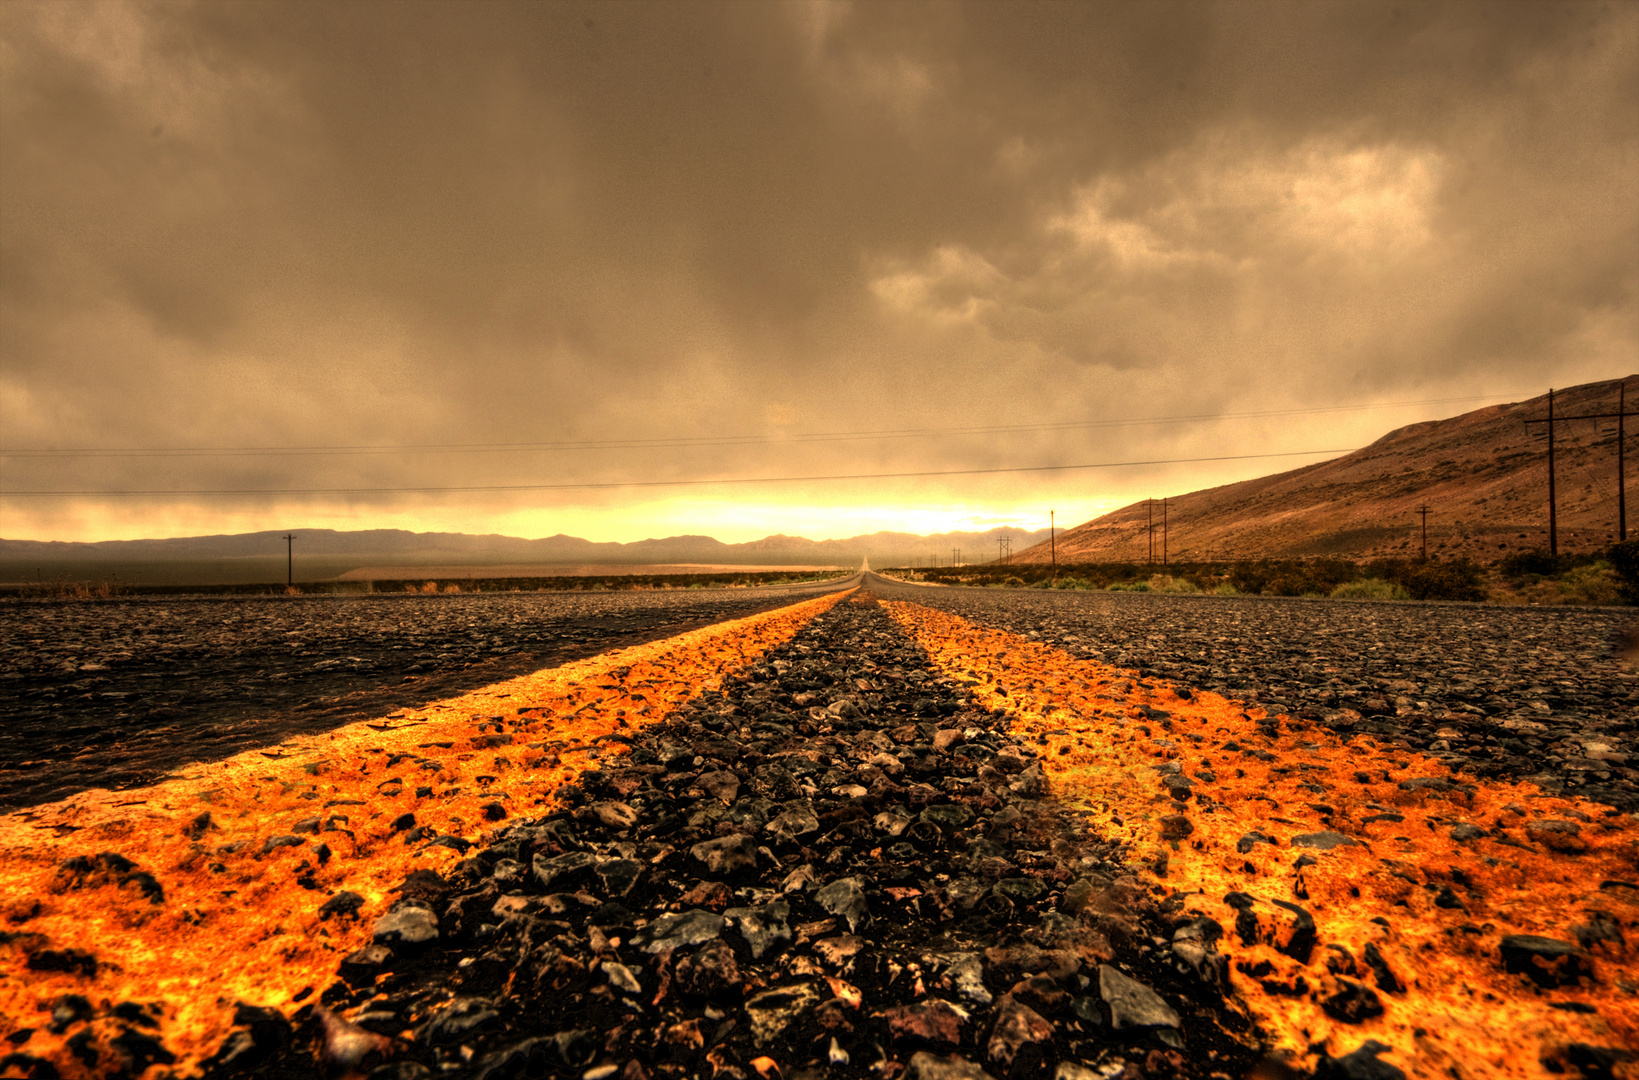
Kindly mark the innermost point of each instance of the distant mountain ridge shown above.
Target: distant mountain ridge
(1483, 475)
(325, 553)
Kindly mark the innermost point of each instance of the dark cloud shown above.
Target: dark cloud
(311, 223)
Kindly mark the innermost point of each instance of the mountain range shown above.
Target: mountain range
(326, 553)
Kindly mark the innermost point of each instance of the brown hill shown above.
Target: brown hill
(1483, 474)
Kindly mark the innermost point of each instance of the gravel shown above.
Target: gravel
(1519, 692)
(116, 693)
(835, 867)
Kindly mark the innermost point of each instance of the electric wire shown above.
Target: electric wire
(600, 485)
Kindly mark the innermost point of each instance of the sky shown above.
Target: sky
(302, 265)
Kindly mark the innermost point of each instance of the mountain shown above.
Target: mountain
(1483, 475)
(327, 553)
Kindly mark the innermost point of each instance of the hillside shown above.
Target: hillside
(1483, 475)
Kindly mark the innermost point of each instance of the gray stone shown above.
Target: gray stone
(844, 897)
(407, 925)
(1132, 1004)
(559, 870)
(682, 930)
(762, 927)
(792, 825)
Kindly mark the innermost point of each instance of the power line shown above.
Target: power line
(676, 483)
(693, 441)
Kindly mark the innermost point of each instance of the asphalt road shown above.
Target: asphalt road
(116, 693)
(1538, 693)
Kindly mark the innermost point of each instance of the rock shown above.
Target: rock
(926, 1066)
(1324, 841)
(846, 899)
(680, 931)
(708, 894)
(615, 815)
(1246, 843)
(947, 816)
(273, 843)
(1132, 1004)
(891, 822)
(342, 904)
(618, 876)
(1176, 827)
(458, 1021)
(1360, 1064)
(1210, 969)
(1016, 1037)
(555, 872)
(803, 879)
(410, 924)
(1351, 1002)
(726, 855)
(360, 968)
(1463, 831)
(1387, 981)
(930, 1022)
(776, 1009)
(709, 972)
(1561, 836)
(1021, 890)
(967, 977)
(1546, 961)
(722, 786)
(761, 927)
(790, 826)
(621, 978)
(945, 738)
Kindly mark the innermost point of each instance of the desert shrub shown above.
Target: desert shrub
(1526, 563)
(1596, 583)
(1166, 583)
(1624, 560)
(1458, 579)
(1370, 588)
(1224, 588)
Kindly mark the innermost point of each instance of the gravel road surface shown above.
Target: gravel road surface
(1535, 693)
(116, 693)
(835, 867)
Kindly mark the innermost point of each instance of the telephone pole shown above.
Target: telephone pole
(1621, 462)
(1149, 507)
(1053, 544)
(1425, 511)
(290, 562)
(1163, 532)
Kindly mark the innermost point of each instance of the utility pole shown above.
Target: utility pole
(1553, 509)
(1053, 543)
(1163, 532)
(1620, 416)
(290, 562)
(1149, 507)
(1425, 511)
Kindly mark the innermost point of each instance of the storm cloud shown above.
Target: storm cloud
(438, 226)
